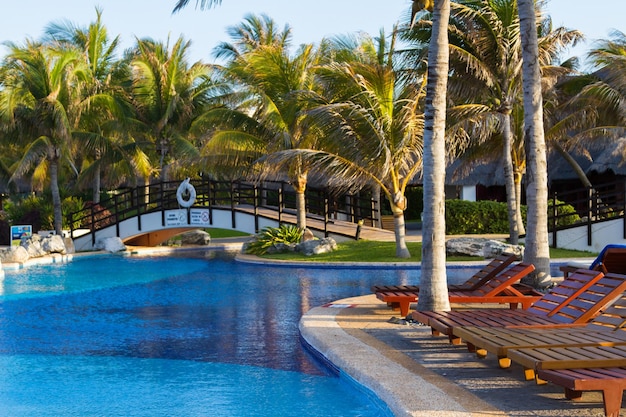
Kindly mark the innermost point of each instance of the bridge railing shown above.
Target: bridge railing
(279, 197)
(592, 205)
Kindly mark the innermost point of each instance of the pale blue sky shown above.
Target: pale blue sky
(310, 21)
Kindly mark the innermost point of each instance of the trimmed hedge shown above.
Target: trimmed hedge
(478, 217)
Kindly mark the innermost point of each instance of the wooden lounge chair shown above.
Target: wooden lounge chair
(607, 329)
(499, 289)
(493, 268)
(578, 299)
(610, 381)
(577, 369)
(611, 259)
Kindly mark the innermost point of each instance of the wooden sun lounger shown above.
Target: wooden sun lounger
(607, 329)
(577, 369)
(493, 268)
(611, 259)
(610, 381)
(578, 299)
(499, 289)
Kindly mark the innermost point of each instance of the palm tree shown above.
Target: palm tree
(537, 249)
(370, 131)
(253, 32)
(433, 287)
(38, 100)
(103, 109)
(486, 82)
(266, 112)
(167, 95)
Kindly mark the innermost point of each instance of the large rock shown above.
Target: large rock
(53, 244)
(481, 247)
(33, 246)
(18, 254)
(317, 246)
(110, 244)
(195, 237)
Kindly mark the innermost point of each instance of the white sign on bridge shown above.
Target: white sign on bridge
(199, 217)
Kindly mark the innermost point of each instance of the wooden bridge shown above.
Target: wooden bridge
(149, 215)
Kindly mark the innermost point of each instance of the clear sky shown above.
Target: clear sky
(310, 21)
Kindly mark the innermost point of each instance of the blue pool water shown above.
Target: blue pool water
(169, 336)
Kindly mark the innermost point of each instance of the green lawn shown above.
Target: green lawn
(373, 251)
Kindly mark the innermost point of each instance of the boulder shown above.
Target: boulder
(14, 255)
(195, 237)
(481, 247)
(317, 246)
(110, 244)
(33, 246)
(53, 244)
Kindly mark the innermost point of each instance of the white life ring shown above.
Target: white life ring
(186, 186)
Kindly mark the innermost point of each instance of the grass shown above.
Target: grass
(223, 233)
(374, 251)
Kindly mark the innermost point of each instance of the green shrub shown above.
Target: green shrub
(31, 210)
(271, 236)
(566, 214)
(477, 217)
(473, 217)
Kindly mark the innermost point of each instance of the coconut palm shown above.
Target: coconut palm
(371, 132)
(537, 250)
(38, 103)
(433, 287)
(103, 109)
(167, 95)
(253, 32)
(266, 112)
(486, 82)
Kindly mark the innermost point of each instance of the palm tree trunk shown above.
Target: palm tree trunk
(521, 229)
(402, 251)
(433, 284)
(509, 179)
(96, 187)
(56, 196)
(537, 249)
(376, 196)
(300, 188)
(573, 164)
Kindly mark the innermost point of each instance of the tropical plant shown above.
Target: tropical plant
(41, 89)
(486, 83)
(370, 132)
(272, 237)
(537, 249)
(266, 113)
(168, 95)
(433, 281)
(102, 147)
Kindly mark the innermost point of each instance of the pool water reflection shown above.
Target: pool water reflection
(173, 336)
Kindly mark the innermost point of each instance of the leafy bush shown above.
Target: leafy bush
(476, 217)
(271, 236)
(473, 217)
(32, 210)
(566, 214)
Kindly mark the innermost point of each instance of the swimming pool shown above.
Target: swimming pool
(169, 336)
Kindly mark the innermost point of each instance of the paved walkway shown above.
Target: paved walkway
(420, 375)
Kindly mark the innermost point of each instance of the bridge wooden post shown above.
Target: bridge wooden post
(256, 209)
(232, 204)
(281, 202)
(326, 210)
